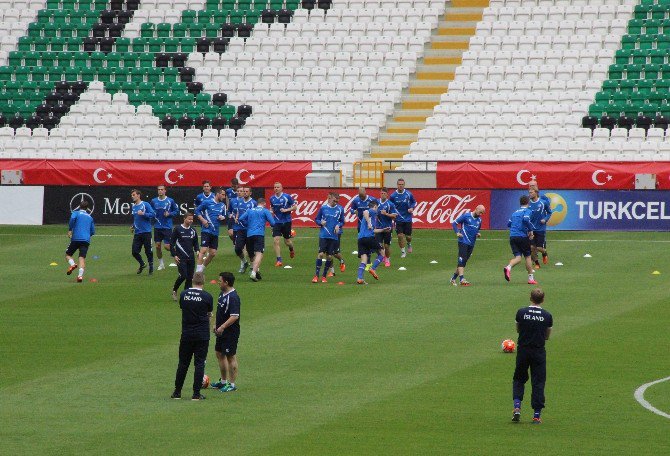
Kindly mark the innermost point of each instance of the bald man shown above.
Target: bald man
(467, 228)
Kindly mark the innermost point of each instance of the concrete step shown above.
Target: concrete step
(441, 60)
(421, 104)
(436, 75)
(460, 16)
(432, 90)
(407, 131)
(403, 124)
(387, 155)
(389, 149)
(456, 53)
(457, 24)
(456, 31)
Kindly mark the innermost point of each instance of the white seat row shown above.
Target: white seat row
(272, 114)
(557, 42)
(523, 111)
(342, 88)
(538, 57)
(531, 72)
(309, 59)
(388, 4)
(314, 29)
(623, 134)
(302, 74)
(464, 134)
(315, 134)
(510, 120)
(477, 100)
(111, 120)
(557, 85)
(530, 3)
(14, 15)
(286, 44)
(176, 4)
(22, 4)
(552, 28)
(384, 100)
(555, 13)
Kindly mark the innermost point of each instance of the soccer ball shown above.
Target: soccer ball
(508, 346)
(292, 233)
(205, 381)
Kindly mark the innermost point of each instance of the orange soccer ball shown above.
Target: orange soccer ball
(508, 346)
(292, 233)
(205, 381)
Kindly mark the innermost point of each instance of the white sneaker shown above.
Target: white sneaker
(253, 276)
(403, 255)
(161, 266)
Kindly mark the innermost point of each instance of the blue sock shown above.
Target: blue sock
(460, 278)
(329, 263)
(453, 277)
(318, 266)
(361, 270)
(517, 403)
(378, 260)
(279, 259)
(537, 413)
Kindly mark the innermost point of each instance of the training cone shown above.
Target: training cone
(95, 257)
(172, 265)
(559, 264)
(212, 282)
(433, 262)
(656, 273)
(53, 263)
(355, 252)
(402, 268)
(586, 255)
(288, 267)
(340, 283)
(93, 280)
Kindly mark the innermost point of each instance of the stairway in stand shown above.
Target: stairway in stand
(435, 71)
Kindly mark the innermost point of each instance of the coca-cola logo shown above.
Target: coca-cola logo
(433, 206)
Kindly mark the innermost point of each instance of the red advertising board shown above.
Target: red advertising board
(556, 175)
(434, 209)
(149, 173)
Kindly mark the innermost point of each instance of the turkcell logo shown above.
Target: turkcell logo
(592, 209)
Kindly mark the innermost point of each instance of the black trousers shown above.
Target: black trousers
(536, 360)
(186, 267)
(187, 349)
(142, 240)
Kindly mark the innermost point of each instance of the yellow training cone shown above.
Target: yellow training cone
(656, 273)
(53, 264)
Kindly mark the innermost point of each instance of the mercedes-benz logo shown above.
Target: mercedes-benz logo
(78, 198)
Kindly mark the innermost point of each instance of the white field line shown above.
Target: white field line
(639, 396)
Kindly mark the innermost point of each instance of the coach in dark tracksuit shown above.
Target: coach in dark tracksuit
(184, 248)
(533, 324)
(196, 312)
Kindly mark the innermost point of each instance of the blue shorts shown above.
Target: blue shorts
(209, 240)
(520, 246)
(368, 246)
(329, 246)
(539, 239)
(464, 253)
(162, 235)
(82, 246)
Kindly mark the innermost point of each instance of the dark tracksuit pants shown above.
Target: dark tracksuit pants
(186, 267)
(191, 348)
(536, 360)
(143, 240)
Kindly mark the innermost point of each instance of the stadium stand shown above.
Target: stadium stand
(526, 84)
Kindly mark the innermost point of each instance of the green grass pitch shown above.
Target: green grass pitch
(406, 365)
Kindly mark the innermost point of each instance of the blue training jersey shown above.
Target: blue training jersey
(283, 201)
(240, 208)
(403, 202)
(142, 223)
(540, 210)
(358, 205)
(231, 194)
(255, 219)
(469, 227)
(201, 197)
(160, 207)
(82, 226)
(384, 221)
(519, 223)
(366, 231)
(210, 210)
(334, 216)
